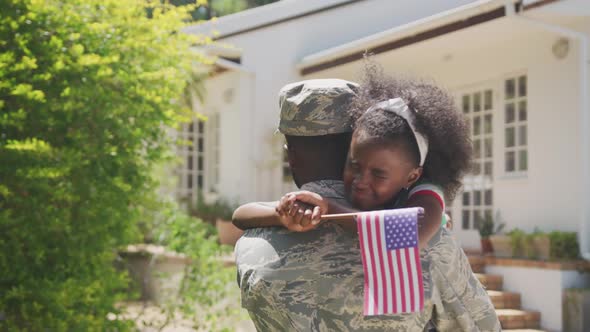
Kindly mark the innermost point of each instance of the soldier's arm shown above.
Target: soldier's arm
(258, 214)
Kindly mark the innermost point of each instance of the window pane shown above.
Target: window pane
(477, 102)
(476, 168)
(466, 221)
(201, 126)
(522, 160)
(487, 124)
(466, 199)
(487, 147)
(487, 168)
(522, 86)
(189, 181)
(488, 197)
(509, 138)
(510, 163)
(200, 163)
(477, 149)
(509, 115)
(477, 125)
(200, 181)
(509, 89)
(477, 198)
(466, 104)
(189, 160)
(200, 144)
(488, 214)
(522, 110)
(487, 100)
(522, 135)
(477, 219)
(191, 127)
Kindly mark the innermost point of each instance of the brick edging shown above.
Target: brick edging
(578, 265)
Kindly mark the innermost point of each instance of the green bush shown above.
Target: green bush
(88, 88)
(207, 283)
(564, 245)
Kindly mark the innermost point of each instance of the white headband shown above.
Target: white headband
(399, 107)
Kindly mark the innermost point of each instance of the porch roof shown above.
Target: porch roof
(434, 26)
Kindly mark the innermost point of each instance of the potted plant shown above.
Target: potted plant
(537, 245)
(575, 308)
(219, 212)
(517, 243)
(564, 245)
(155, 270)
(487, 229)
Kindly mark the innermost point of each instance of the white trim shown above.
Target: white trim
(415, 27)
(258, 16)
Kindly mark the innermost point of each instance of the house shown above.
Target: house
(519, 70)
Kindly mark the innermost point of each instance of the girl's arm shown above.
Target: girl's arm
(258, 214)
(325, 206)
(431, 222)
(288, 212)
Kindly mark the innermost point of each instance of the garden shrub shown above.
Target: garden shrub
(88, 88)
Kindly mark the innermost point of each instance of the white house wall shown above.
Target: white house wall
(224, 96)
(272, 53)
(548, 196)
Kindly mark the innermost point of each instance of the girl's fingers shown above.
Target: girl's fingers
(308, 197)
(316, 215)
(306, 220)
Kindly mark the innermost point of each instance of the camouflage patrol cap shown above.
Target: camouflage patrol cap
(316, 107)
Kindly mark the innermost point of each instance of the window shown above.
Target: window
(213, 153)
(478, 107)
(515, 125)
(477, 207)
(190, 148)
(476, 200)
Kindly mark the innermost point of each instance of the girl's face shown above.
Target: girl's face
(376, 172)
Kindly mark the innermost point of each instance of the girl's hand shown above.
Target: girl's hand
(301, 211)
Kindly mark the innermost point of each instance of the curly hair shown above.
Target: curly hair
(449, 150)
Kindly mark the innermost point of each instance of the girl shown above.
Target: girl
(410, 147)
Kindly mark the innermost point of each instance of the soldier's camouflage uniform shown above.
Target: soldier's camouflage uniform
(313, 281)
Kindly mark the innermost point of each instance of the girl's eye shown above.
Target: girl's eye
(353, 165)
(379, 174)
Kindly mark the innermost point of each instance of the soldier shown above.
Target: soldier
(313, 281)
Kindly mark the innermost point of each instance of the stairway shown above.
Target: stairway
(512, 316)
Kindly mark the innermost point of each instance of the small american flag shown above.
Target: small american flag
(391, 261)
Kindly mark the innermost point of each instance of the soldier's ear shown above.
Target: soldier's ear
(292, 157)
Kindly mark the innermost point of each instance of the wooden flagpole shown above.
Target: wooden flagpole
(339, 216)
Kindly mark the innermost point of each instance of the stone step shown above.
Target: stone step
(477, 263)
(518, 319)
(504, 300)
(490, 281)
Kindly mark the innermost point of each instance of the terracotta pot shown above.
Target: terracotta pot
(502, 246)
(486, 246)
(156, 272)
(228, 233)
